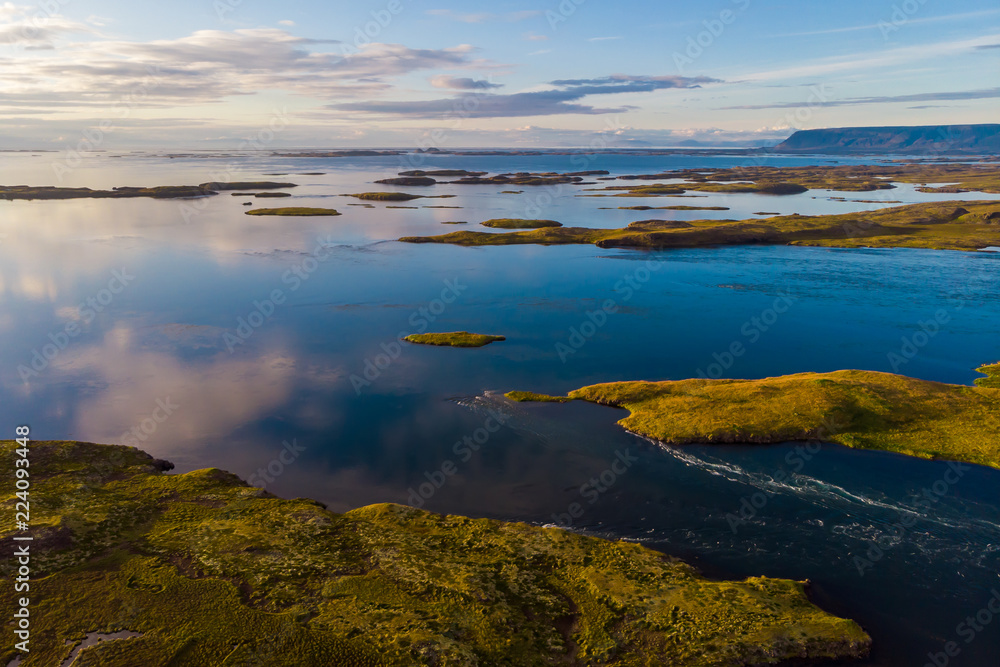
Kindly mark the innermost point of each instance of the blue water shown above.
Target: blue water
(370, 419)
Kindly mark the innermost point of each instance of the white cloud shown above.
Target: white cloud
(211, 65)
(30, 26)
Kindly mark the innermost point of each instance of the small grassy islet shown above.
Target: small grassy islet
(454, 339)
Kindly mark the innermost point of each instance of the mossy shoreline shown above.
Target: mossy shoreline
(207, 570)
(861, 409)
(958, 225)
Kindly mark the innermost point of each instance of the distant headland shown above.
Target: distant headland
(915, 140)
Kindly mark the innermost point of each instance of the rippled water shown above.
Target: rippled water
(164, 344)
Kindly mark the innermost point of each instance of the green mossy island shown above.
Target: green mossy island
(385, 196)
(957, 225)
(207, 570)
(518, 223)
(12, 192)
(294, 211)
(454, 339)
(862, 409)
(958, 176)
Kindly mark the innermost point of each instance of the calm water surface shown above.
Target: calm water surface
(371, 420)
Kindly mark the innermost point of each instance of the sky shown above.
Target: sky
(232, 74)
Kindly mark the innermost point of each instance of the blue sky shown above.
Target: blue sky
(211, 73)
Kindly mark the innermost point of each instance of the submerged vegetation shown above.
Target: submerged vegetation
(408, 180)
(673, 208)
(958, 225)
(293, 211)
(385, 196)
(863, 409)
(454, 339)
(202, 569)
(518, 223)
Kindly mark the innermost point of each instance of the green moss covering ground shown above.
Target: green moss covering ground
(862, 409)
(454, 339)
(992, 379)
(293, 211)
(532, 397)
(518, 223)
(960, 225)
(211, 571)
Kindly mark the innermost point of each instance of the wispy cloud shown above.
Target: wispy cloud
(23, 25)
(871, 60)
(484, 17)
(532, 37)
(888, 20)
(986, 93)
(603, 39)
(211, 65)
